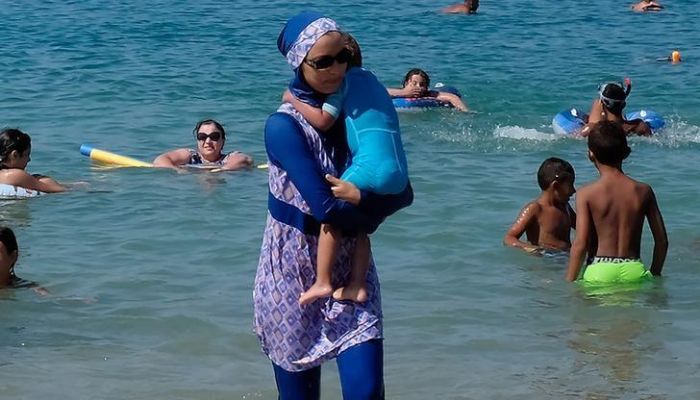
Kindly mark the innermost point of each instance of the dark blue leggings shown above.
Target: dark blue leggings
(361, 370)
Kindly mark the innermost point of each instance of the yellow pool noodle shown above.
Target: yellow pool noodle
(105, 157)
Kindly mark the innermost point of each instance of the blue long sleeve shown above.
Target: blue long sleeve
(287, 148)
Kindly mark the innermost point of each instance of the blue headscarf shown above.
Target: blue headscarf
(298, 36)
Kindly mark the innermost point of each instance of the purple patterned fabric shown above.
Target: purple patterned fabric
(307, 38)
(297, 338)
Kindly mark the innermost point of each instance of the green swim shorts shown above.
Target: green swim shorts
(615, 270)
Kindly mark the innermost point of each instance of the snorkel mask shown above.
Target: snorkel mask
(612, 103)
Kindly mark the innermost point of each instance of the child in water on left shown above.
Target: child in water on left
(378, 161)
(15, 150)
(547, 221)
(9, 253)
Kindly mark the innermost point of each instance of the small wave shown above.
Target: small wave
(517, 132)
(677, 133)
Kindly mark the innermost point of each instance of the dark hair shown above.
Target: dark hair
(7, 238)
(608, 142)
(354, 47)
(13, 139)
(616, 95)
(209, 122)
(473, 5)
(554, 169)
(416, 71)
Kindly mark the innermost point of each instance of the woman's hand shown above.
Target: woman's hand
(344, 190)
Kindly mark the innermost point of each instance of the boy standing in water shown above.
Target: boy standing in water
(612, 98)
(547, 221)
(611, 213)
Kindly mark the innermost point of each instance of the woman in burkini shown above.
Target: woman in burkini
(299, 339)
(210, 136)
(416, 84)
(15, 151)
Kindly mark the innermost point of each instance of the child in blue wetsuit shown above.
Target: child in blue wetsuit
(378, 164)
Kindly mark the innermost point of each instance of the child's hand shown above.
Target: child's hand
(344, 190)
(287, 97)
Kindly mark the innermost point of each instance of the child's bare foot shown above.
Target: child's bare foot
(315, 292)
(356, 293)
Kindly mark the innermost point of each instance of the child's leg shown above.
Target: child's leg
(328, 243)
(356, 290)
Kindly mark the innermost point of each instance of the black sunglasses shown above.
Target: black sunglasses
(323, 62)
(214, 136)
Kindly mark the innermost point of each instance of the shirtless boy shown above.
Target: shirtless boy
(547, 220)
(610, 216)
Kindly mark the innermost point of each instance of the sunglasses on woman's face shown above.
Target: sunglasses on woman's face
(214, 136)
(323, 62)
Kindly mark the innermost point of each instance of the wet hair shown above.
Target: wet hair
(209, 122)
(608, 142)
(473, 5)
(613, 96)
(354, 47)
(13, 139)
(416, 71)
(7, 238)
(554, 169)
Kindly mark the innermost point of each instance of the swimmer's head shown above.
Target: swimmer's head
(8, 251)
(613, 96)
(210, 136)
(472, 5)
(675, 57)
(607, 143)
(557, 175)
(15, 148)
(416, 77)
(354, 47)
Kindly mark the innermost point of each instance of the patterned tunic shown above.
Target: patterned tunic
(297, 338)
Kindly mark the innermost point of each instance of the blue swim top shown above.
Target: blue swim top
(373, 133)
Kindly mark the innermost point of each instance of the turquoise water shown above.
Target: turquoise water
(151, 272)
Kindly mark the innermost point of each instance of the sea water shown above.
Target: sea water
(151, 271)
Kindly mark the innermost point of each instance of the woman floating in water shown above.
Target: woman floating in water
(15, 150)
(416, 84)
(468, 7)
(210, 136)
(646, 5)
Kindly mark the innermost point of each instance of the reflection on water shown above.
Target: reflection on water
(612, 333)
(15, 213)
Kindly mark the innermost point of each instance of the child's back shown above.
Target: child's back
(618, 206)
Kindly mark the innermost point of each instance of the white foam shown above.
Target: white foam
(517, 132)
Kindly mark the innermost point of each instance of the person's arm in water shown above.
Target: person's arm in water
(18, 177)
(580, 245)
(406, 91)
(235, 161)
(658, 230)
(320, 118)
(452, 99)
(172, 159)
(527, 216)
